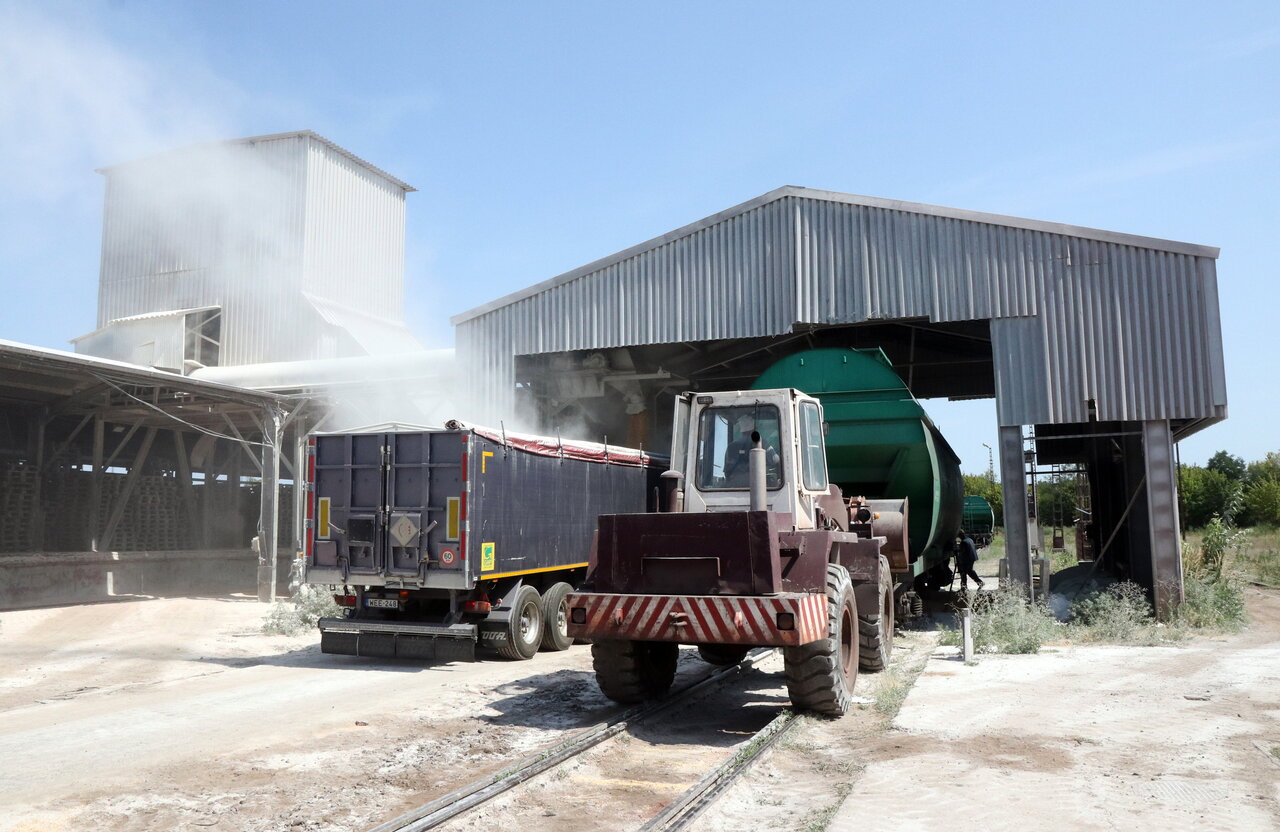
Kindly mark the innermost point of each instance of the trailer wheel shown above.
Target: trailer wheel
(875, 631)
(524, 628)
(633, 671)
(722, 654)
(555, 618)
(821, 674)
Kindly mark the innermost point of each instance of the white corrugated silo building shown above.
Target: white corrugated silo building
(265, 249)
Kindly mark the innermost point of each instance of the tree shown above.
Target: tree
(1056, 496)
(1204, 494)
(1267, 468)
(1230, 466)
(1262, 502)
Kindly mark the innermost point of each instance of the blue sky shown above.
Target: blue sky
(542, 136)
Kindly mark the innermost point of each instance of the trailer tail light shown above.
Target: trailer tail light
(786, 621)
(345, 600)
(578, 615)
(476, 606)
(404, 594)
(310, 530)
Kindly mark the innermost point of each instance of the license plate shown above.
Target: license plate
(389, 603)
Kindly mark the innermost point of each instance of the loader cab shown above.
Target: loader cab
(711, 438)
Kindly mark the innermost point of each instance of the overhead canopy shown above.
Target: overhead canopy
(66, 383)
(1075, 323)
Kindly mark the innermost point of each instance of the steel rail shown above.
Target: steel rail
(431, 815)
(683, 810)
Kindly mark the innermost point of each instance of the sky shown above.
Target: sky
(543, 136)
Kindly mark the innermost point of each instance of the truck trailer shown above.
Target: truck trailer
(436, 541)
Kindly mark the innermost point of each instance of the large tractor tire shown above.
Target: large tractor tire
(524, 628)
(722, 655)
(633, 671)
(555, 618)
(821, 674)
(875, 629)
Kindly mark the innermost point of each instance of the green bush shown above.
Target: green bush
(1004, 622)
(1262, 502)
(1118, 614)
(1205, 493)
(301, 612)
(1211, 603)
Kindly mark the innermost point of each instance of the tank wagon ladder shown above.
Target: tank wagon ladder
(676, 815)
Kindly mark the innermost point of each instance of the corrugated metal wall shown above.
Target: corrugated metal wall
(249, 226)
(354, 244)
(1133, 327)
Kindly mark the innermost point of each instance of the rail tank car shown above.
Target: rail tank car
(979, 519)
(880, 442)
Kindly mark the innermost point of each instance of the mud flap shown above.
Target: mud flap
(456, 643)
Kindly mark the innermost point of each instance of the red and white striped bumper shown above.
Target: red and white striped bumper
(783, 620)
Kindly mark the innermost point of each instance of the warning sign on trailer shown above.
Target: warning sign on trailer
(404, 530)
(447, 557)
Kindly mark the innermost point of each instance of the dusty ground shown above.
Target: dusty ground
(1082, 738)
(178, 714)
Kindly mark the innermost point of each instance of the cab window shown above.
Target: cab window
(813, 457)
(724, 439)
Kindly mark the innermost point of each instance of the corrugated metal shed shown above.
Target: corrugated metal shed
(247, 226)
(1078, 315)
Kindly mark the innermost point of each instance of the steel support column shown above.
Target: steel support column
(95, 480)
(1162, 510)
(1013, 483)
(269, 497)
(299, 482)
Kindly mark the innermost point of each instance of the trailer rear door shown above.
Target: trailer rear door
(393, 502)
(424, 502)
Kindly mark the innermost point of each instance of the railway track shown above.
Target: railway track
(678, 814)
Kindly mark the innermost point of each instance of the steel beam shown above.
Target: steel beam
(1014, 486)
(35, 531)
(269, 514)
(1162, 509)
(95, 480)
(244, 444)
(130, 482)
(184, 483)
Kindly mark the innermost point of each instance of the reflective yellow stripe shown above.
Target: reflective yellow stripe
(322, 518)
(531, 571)
(451, 522)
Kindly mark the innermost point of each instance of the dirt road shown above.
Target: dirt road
(178, 714)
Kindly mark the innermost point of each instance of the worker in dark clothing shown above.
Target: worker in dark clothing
(736, 456)
(966, 558)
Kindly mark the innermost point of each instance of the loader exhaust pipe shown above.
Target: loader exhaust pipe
(756, 463)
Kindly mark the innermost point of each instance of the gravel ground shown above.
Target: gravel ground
(1085, 738)
(179, 714)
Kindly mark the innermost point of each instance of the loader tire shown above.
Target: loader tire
(822, 673)
(633, 671)
(722, 655)
(875, 631)
(524, 628)
(555, 618)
